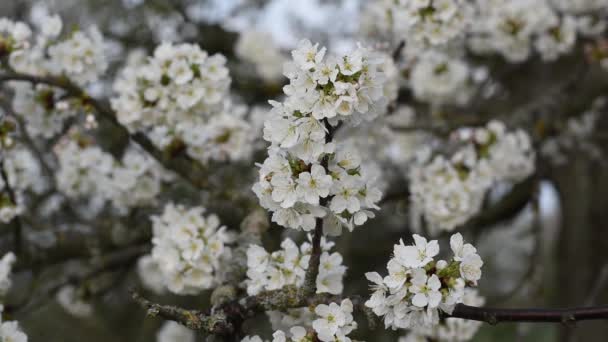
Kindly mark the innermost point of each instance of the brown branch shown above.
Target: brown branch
(223, 320)
(310, 280)
(187, 168)
(560, 315)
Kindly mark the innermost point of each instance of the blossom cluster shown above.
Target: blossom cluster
(451, 329)
(334, 323)
(86, 171)
(42, 108)
(179, 97)
(79, 55)
(448, 192)
(258, 48)
(421, 23)
(513, 29)
(14, 35)
(189, 248)
(418, 287)
(287, 266)
(438, 78)
(307, 176)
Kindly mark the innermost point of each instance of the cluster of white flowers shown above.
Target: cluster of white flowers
(80, 56)
(306, 177)
(440, 79)
(287, 266)
(451, 329)
(423, 22)
(43, 114)
(180, 97)
(189, 248)
(448, 192)
(175, 332)
(512, 28)
(418, 287)
(258, 48)
(334, 323)
(10, 330)
(86, 171)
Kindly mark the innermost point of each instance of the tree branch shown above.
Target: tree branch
(310, 280)
(223, 319)
(561, 315)
(102, 264)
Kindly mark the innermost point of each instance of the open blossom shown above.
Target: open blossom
(287, 266)
(418, 255)
(415, 292)
(189, 248)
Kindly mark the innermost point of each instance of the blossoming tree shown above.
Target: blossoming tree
(388, 184)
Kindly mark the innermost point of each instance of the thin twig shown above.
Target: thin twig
(310, 280)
